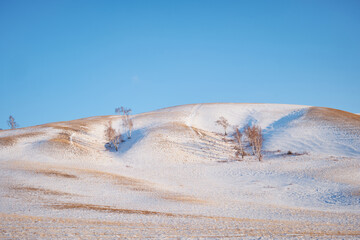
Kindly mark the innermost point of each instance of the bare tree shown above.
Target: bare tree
(113, 137)
(223, 122)
(11, 122)
(126, 119)
(240, 150)
(255, 137)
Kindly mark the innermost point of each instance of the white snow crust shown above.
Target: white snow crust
(179, 169)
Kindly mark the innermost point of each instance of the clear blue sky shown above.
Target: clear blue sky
(62, 60)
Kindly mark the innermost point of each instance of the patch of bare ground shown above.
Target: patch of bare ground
(79, 125)
(53, 173)
(206, 145)
(130, 183)
(63, 140)
(334, 116)
(12, 140)
(172, 226)
(69, 127)
(182, 198)
(144, 186)
(43, 169)
(109, 209)
(40, 190)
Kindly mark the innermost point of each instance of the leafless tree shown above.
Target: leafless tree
(255, 137)
(126, 119)
(240, 150)
(11, 122)
(223, 122)
(113, 137)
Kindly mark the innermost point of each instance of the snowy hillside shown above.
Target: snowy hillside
(178, 175)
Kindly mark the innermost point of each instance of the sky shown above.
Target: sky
(64, 59)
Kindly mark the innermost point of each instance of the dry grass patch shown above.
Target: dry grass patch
(12, 140)
(182, 198)
(7, 141)
(334, 116)
(105, 208)
(53, 173)
(63, 140)
(30, 227)
(144, 186)
(43, 169)
(41, 190)
(132, 183)
(67, 128)
(227, 225)
(78, 125)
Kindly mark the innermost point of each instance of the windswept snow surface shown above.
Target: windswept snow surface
(178, 176)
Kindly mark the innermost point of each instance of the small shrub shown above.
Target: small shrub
(296, 153)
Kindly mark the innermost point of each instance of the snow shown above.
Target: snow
(179, 173)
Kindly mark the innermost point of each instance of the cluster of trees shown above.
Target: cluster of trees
(253, 134)
(113, 136)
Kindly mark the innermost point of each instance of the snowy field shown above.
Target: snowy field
(178, 176)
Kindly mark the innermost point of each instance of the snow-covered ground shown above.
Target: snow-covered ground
(178, 176)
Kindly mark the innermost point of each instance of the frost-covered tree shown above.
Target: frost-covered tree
(112, 136)
(11, 122)
(255, 137)
(240, 149)
(223, 122)
(126, 119)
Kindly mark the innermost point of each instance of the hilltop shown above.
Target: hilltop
(179, 174)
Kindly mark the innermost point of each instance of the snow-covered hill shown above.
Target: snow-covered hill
(179, 169)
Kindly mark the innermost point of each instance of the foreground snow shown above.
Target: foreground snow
(178, 176)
